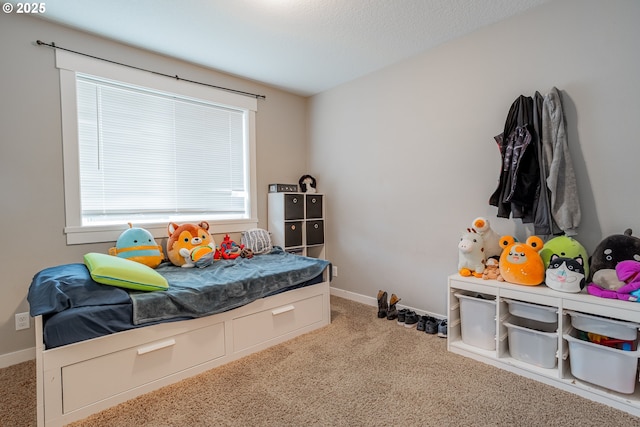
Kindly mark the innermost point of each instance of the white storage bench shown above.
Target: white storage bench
(536, 332)
(77, 380)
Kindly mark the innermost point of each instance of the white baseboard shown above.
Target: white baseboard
(16, 357)
(363, 299)
(373, 301)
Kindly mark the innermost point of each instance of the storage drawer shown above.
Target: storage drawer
(315, 233)
(604, 366)
(92, 380)
(532, 346)
(293, 206)
(314, 206)
(478, 320)
(260, 327)
(531, 311)
(293, 233)
(602, 326)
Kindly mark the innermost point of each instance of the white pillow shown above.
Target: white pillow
(258, 240)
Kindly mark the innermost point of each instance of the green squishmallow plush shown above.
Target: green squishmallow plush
(564, 247)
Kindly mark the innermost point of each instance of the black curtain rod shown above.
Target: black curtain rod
(53, 45)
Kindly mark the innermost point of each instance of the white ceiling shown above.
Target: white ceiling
(302, 46)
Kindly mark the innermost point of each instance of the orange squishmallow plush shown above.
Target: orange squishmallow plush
(520, 263)
(188, 243)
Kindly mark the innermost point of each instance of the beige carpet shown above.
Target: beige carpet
(18, 395)
(358, 371)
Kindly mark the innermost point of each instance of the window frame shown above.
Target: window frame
(69, 64)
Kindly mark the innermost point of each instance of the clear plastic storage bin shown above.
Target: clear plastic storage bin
(540, 313)
(530, 345)
(602, 326)
(478, 320)
(601, 365)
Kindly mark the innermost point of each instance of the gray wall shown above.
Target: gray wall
(32, 214)
(407, 158)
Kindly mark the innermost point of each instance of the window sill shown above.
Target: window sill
(100, 234)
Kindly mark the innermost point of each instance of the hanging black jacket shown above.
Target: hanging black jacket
(520, 175)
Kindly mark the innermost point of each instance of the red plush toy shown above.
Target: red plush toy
(230, 249)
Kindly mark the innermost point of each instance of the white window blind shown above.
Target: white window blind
(148, 156)
(145, 149)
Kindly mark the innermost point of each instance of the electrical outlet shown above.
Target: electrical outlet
(334, 271)
(22, 321)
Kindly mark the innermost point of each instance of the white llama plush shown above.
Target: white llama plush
(471, 257)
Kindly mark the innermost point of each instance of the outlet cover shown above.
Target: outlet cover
(334, 271)
(22, 321)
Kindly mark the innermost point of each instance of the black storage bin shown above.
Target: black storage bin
(293, 207)
(314, 206)
(315, 233)
(293, 233)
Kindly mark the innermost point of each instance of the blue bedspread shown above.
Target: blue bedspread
(225, 285)
(194, 292)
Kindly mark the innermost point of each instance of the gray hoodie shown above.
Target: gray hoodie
(561, 180)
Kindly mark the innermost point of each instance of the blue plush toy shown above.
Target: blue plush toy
(138, 244)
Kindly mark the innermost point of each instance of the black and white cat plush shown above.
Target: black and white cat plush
(565, 274)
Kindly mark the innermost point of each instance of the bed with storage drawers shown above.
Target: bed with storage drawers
(97, 345)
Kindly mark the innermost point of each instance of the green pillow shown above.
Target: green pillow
(124, 273)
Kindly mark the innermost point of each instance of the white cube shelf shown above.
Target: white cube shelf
(533, 325)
